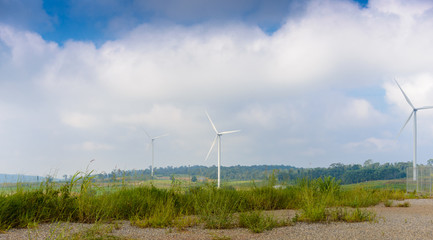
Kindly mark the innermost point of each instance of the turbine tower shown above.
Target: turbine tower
(152, 140)
(414, 111)
(217, 139)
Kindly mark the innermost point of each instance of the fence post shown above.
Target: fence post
(430, 179)
(407, 180)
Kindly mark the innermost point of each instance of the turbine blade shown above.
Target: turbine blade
(210, 150)
(410, 116)
(147, 134)
(227, 132)
(426, 107)
(404, 94)
(210, 120)
(164, 135)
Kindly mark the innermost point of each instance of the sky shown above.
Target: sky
(308, 83)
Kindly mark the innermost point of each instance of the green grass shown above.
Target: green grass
(159, 203)
(394, 184)
(257, 222)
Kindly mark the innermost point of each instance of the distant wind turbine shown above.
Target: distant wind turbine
(152, 140)
(217, 139)
(414, 110)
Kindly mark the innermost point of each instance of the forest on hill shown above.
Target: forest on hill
(351, 173)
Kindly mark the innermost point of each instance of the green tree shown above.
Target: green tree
(368, 163)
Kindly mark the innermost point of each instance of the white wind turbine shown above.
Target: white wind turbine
(152, 140)
(218, 139)
(414, 110)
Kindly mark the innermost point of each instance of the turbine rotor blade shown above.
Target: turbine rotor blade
(227, 132)
(410, 116)
(210, 120)
(210, 150)
(426, 107)
(164, 135)
(404, 94)
(147, 134)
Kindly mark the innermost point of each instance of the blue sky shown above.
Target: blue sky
(309, 83)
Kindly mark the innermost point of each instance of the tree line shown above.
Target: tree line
(351, 173)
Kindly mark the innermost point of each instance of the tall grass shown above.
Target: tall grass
(79, 200)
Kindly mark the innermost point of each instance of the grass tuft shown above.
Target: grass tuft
(357, 215)
(388, 203)
(404, 204)
(257, 222)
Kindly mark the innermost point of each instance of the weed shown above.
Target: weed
(216, 206)
(404, 204)
(183, 222)
(97, 231)
(223, 237)
(359, 215)
(32, 225)
(257, 222)
(388, 203)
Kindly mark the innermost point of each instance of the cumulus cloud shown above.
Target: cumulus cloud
(372, 144)
(92, 146)
(356, 113)
(289, 92)
(79, 120)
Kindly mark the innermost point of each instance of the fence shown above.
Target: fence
(423, 181)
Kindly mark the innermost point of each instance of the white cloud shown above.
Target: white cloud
(159, 116)
(265, 117)
(289, 92)
(79, 120)
(92, 146)
(418, 88)
(372, 145)
(358, 112)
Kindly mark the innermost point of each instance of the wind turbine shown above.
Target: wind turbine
(217, 139)
(152, 140)
(414, 110)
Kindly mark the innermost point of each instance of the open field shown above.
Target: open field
(185, 182)
(394, 184)
(109, 186)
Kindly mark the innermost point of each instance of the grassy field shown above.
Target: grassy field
(109, 186)
(394, 184)
(181, 203)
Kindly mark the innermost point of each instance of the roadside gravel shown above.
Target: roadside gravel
(414, 222)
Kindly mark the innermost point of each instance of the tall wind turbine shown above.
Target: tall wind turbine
(414, 110)
(217, 139)
(152, 140)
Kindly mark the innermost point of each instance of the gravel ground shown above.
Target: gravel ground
(414, 222)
